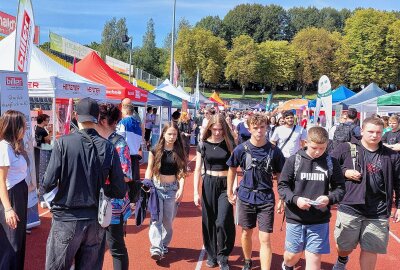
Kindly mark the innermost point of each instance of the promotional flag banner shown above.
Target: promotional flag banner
(24, 36)
(268, 104)
(324, 97)
(176, 74)
(14, 96)
(197, 95)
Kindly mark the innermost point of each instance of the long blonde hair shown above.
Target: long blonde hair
(227, 134)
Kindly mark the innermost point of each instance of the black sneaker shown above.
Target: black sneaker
(156, 256)
(247, 265)
(211, 263)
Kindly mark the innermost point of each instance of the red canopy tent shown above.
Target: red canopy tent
(95, 69)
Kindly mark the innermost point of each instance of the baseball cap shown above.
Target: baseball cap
(87, 110)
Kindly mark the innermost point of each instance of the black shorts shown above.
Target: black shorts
(250, 214)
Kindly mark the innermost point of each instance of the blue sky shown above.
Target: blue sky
(83, 20)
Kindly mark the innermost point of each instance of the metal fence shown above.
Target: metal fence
(142, 75)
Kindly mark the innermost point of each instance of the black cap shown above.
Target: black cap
(87, 110)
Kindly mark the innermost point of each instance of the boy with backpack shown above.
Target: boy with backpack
(345, 131)
(259, 159)
(311, 181)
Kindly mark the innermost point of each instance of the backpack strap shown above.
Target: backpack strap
(249, 158)
(330, 165)
(297, 162)
(354, 153)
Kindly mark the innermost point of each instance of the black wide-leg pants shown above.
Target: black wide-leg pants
(217, 219)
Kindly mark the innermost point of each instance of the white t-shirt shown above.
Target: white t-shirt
(18, 167)
(281, 134)
(236, 122)
(149, 120)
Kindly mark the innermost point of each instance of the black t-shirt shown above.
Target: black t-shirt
(215, 155)
(169, 166)
(391, 137)
(40, 134)
(375, 197)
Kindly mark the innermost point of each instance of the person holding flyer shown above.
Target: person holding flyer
(304, 186)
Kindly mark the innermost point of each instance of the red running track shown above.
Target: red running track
(186, 245)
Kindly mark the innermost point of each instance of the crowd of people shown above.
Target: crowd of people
(356, 167)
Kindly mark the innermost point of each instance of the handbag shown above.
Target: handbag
(104, 213)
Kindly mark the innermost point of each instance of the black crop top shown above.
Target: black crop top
(168, 163)
(215, 156)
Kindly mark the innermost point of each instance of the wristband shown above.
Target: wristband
(8, 210)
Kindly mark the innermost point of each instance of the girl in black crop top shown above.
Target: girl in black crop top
(213, 152)
(167, 168)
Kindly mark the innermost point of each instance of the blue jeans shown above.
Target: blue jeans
(160, 232)
(79, 240)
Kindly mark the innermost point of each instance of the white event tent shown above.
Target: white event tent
(368, 107)
(169, 88)
(46, 78)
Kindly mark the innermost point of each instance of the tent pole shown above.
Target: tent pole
(53, 107)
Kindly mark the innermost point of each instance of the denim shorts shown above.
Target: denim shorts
(313, 238)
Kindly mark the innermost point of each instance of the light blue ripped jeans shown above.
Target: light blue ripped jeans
(160, 232)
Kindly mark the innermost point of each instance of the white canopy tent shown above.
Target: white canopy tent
(368, 107)
(46, 78)
(169, 88)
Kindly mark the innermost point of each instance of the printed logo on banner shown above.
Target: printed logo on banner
(71, 87)
(8, 23)
(137, 94)
(24, 45)
(94, 90)
(32, 85)
(14, 82)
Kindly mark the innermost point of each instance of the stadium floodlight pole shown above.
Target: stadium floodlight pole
(126, 39)
(171, 70)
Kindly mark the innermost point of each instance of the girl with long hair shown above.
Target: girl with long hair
(217, 213)
(167, 168)
(121, 211)
(13, 190)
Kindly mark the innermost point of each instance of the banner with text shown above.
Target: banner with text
(14, 95)
(8, 23)
(117, 65)
(68, 47)
(24, 36)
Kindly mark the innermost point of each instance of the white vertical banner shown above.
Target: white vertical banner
(197, 97)
(25, 32)
(324, 97)
(14, 96)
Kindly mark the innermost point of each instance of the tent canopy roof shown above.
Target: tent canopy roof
(47, 78)
(94, 68)
(367, 93)
(155, 100)
(169, 88)
(339, 94)
(392, 99)
(176, 101)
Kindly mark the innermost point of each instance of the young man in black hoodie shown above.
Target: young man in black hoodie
(310, 182)
(372, 173)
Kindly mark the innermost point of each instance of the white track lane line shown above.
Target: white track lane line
(395, 237)
(44, 213)
(200, 260)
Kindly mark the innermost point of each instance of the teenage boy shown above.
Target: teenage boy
(310, 182)
(372, 173)
(259, 159)
(391, 138)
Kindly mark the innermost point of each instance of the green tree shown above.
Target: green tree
(94, 45)
(333, 20)
(364, 51)
(111, 41)
(244, 19)
(393, 53)
(148, 56)
(316, 49)
(243, 62)
(198, 48)
(301, 18)
(278, 63)
(274, 23)
(213, 24)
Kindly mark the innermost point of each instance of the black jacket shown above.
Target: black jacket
(356, 190)
(312, 180)
(73, 168)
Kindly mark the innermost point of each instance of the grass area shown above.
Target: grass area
(255, 95)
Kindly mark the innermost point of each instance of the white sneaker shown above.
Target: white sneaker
(339, 266)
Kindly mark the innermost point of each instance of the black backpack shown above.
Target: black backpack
(343, 133)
